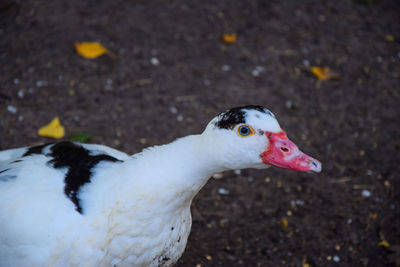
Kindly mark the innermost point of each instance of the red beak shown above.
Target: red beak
(285, 154)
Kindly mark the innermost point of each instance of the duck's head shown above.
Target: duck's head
(250, 137)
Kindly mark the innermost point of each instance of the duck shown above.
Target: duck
(74, 204)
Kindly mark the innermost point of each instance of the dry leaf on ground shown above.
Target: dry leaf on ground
(229, 38)
(324, 73)
(53, 130)
(90, 49)
(384, 243)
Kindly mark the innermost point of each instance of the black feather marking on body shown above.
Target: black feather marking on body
(232, 117)
(4, 170)
(79, 163)
(35, 150)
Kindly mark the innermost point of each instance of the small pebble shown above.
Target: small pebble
(173, 110)
(386, 183)
(16, 81)
(179, 117)
(289, 104)
(60, 77)
(237, 172)
(306, 63)
(40, 83)
(365, 193)
(299, 202)
(12, 109)
(143, 141)
(250, 179)
(223, 191)
(207, 82)
(226, 68)
(336, 258)
(379, 59)
(20, 118)
(109, 84)
(369, 172)
(260, 68)
(255, 73)
(21, 93)
(154, 61)
(218, 175)
(349, 221)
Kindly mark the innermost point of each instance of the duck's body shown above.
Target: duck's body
(71, 204)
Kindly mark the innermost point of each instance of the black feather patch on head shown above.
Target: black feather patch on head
(232, 117)
(79, 163)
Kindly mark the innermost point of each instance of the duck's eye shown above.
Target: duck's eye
(245, 130)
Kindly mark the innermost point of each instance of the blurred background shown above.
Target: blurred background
(329, 70)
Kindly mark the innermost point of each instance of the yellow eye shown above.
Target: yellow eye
(245, 130)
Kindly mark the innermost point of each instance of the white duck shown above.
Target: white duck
(70, 204)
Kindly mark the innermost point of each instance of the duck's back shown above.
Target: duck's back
(39, 189)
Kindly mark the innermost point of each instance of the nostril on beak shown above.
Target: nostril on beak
(314, 163)
(315, 166)
(284, 149)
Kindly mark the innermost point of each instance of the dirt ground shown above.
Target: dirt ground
(169, 73)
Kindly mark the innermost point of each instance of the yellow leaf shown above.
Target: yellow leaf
(384, 243)
(373, 216)
(229, 38)
(90, 49)
(285, 222)
(53, 130)
(324, 73)
(389, 37)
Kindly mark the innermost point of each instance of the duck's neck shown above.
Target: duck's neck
(180, 168)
